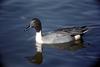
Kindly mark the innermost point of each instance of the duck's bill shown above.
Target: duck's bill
(31, 25)
(27, 27)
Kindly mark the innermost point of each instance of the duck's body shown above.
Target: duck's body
(53, 37)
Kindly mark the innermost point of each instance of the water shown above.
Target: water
(16, 44)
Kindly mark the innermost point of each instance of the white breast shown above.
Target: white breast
(39, 37)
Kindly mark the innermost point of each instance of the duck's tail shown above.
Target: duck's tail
(84, 29)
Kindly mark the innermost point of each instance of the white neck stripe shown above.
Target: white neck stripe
(39, 37)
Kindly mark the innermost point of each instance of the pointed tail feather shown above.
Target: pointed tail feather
(84, 29)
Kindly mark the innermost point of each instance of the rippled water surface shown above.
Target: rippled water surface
(16, 44)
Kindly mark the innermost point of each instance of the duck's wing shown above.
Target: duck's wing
(74, 30)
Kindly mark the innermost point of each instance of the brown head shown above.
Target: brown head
(35, 23)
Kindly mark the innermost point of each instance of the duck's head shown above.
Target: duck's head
(35, 23)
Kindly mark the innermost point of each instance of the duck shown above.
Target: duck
(60, 35)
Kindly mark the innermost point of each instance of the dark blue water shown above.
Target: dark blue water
(16, 44)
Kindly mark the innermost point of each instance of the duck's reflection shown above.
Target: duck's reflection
(38, 57)
(70, 46)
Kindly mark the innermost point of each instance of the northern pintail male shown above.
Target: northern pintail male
(61, 35)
